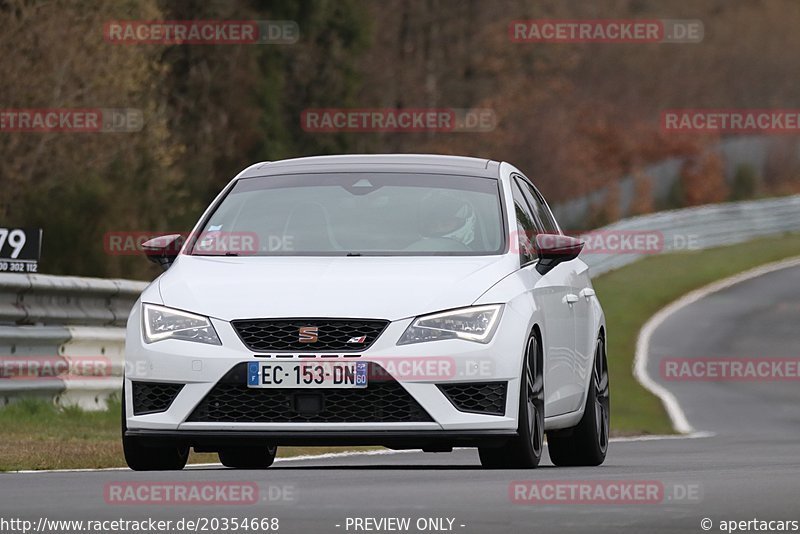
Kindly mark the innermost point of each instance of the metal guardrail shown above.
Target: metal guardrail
(703, 227)
(63, 319)
(66, 300)
(55, 331)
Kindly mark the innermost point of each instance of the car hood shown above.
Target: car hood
(365, 287)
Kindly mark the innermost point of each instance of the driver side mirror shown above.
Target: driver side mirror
(553, 249)
(163, 250)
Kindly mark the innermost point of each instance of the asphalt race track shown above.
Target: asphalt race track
(748, 469)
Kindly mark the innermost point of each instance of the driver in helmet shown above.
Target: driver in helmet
(444, 215)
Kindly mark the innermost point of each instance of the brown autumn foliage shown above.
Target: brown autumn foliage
(642, 194)
(576, 116)
(703, 179)
(782, 166)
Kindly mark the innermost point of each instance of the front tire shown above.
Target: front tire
(525, 450)
(141, 456)
(587, 443)
(248, 457)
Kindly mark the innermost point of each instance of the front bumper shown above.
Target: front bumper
(212, 440)
(200, 367)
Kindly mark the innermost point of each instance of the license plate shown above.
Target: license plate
(307, 375)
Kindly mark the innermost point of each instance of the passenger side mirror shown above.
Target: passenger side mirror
(553, 249)
(164, 249)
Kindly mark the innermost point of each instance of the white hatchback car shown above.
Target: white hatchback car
(408, 301)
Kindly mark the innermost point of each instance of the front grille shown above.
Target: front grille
(384, 401)
(153, 397)
(343, 335)
(487, 398)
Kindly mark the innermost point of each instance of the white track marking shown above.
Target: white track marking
(658, 437)
(345, 454)
(676, 414)
(324, 456)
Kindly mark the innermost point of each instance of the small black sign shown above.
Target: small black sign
(20, 249)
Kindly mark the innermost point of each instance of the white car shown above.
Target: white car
(408, 301)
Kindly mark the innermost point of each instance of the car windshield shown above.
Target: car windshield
(397, 214)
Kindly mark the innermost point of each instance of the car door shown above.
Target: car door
(571, 277)
(550, 293)
(585, 334)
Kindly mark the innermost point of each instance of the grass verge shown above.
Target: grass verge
(37, 435)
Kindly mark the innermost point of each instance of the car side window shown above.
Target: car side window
(539, 206)
(527, 228)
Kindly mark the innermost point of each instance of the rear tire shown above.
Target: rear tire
(141, 456)
(525, 450)
(587, 443)
(248, 457)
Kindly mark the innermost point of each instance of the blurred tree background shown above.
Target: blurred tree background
(574, 116)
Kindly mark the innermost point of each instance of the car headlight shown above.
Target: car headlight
(162, 323)
(476, 323)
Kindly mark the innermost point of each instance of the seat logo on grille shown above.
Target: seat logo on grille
(308, 334)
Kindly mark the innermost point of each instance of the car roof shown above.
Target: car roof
(419, 163)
